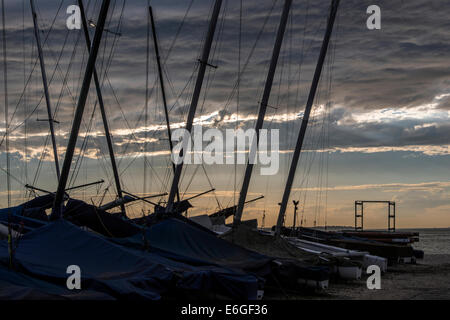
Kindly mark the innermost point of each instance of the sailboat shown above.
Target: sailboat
(163, 254)
(120, 258)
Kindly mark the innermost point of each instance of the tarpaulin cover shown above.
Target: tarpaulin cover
(31, 213)
(18, 286)
(46, 253)
(184, 242)
(83, 214)
(114, 270)
(15, 216)
(44, 202)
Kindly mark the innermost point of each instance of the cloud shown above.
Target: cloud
(390, 89)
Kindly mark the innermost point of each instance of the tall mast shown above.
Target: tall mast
(44, 81)
(263, 106)
(147, 64)
(57, 205)
(163, 89)
(195, 96)
(309, 103)
(5, 85)
(102, 110)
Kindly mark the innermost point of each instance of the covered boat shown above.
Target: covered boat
(116, 271)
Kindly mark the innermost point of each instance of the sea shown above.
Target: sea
(432, 241)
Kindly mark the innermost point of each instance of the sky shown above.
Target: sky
(379, 130)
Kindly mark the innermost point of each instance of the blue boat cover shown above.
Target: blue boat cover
(18, 286)
(82, 214)
(114, 270)
(21, 219)
(181, 241)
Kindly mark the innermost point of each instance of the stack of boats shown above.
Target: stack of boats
(395, 247)
(172, 256)
(166, 257)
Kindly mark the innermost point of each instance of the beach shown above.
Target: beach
(429, 279)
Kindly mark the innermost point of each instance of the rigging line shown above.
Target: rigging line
(312, 142)
(190, 180)
(29, 78)
(106, 66)
(82, 153)
(59, 98)
(331, 71)
(64, 86)
(173, 42)
(310, 156)
(178, 32)
(25, 163)
(314, 147)
(43, 154)
(114, 43)
(47, 35)
(211, 76)
(12, 176)
(216, 48)
(55, 69)
(238, 92)
(244, 67)
(189, 82)
(5, 86)
(288, 104)
(126, 121)
(83, 148)
(129, 140)
(58, 68)
(169, 52)
(107, 26)
(42, 96)
(212, 188)
(319, 140)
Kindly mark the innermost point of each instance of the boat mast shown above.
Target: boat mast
(5, 85)
(195, 97)
(57, 205)
(103, 111)
(44, 81)
(263, 106)
(163, 89)
(309, 103)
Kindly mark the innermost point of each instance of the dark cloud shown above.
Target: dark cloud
(401, 67)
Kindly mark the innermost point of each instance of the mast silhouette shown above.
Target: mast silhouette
(103, 111)
(59, 197)
(263, 107)
(5, 86)
(46, 93)
(163, 88)
(195, 97)
(309, 103)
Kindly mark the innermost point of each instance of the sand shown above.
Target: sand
(429, 279)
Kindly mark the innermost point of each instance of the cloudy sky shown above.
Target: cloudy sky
(380, 127)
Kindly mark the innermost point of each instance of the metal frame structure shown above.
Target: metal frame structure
(359, 216)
